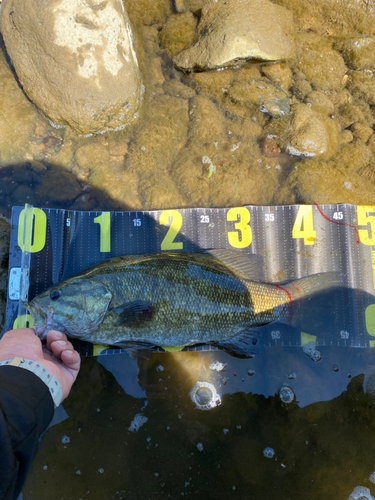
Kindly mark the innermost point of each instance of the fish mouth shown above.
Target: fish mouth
(41, 320)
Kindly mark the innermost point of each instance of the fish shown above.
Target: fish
(173, 300)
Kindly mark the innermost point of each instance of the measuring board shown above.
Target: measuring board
(49, 245)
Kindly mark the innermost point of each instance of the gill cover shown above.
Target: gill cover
(76, 307)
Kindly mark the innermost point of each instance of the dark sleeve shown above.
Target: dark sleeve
(26, 409)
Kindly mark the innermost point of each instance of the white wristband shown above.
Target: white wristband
(32, 366)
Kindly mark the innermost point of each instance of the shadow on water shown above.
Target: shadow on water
(181, 451)
(46, 185)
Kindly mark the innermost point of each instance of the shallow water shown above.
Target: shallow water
(323, 441)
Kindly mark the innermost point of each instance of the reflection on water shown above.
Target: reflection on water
(323, 440)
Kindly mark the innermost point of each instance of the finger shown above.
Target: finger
(53, 336)
(59, 346)
(71, 359)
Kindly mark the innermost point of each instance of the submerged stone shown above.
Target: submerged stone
(357, 51)
(322, 65)
(312, 133)
(75, 60)
(233, 31)
(272, 100)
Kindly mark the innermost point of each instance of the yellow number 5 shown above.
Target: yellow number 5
(366, 236)
(241, 216)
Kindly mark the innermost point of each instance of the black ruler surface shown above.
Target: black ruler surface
(294, 241)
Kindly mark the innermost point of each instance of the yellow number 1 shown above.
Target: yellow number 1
(104, 221)
(304, 218)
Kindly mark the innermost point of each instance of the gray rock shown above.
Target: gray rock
(75, 60)
(232, 31)
(272, 100)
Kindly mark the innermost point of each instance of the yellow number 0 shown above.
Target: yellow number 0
(366, 236)
(168, 243)
(40, 226)
(23, 321)
(241, 216)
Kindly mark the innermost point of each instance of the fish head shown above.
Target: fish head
(75, 307)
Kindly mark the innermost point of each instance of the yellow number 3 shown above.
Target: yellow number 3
(241, 217)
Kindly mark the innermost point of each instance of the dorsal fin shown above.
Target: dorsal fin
(249, 267)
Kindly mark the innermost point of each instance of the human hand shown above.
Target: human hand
(57, 356)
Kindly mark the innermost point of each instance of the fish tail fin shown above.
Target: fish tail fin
(309, 301)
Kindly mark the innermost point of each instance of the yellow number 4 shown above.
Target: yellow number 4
(303, 225)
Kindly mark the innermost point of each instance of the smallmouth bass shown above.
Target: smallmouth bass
(171, 299)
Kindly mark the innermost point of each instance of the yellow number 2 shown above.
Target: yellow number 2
(366, 236)
(174, 219)
(241, 217)
(304, 218)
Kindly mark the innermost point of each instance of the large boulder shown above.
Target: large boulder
(75, 60)
(17, 118)
(231, 31)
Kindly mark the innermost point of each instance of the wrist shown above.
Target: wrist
(50, 381)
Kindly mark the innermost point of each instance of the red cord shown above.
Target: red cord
(336, 222)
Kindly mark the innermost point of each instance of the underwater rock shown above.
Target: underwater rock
(348, 176)
(362, 87)
(58, 186)
(75, 61)
(279, 73)
(272, 100)
(17, 118)
(317, 98)
(178, 32)
(361, 131)
(357, 51)
(322, 65)
(312, 133)
(233, 31)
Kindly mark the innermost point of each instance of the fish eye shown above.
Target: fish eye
(55, 294)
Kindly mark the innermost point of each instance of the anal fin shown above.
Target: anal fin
(245, 343)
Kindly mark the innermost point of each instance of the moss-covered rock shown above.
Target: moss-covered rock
(178, 32)
(357, 51)
(323, 66)
(312, 133)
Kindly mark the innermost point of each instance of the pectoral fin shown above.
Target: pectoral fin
(131, 314)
